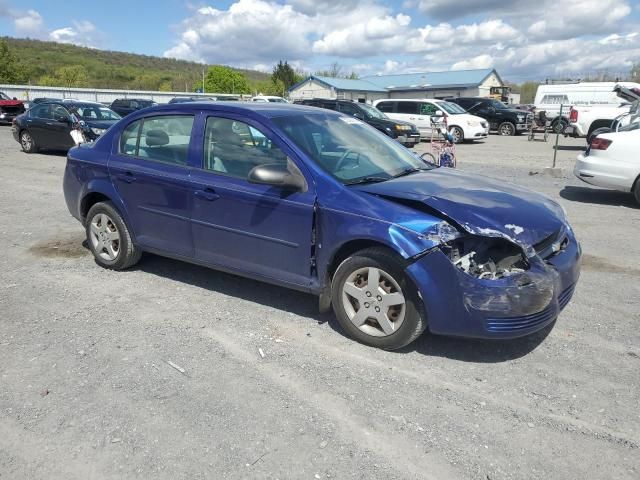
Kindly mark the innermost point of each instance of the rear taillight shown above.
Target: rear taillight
(600, 143)
(573, 115)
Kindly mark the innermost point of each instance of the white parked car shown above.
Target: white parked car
(462, 125)
(612, 161)
(268, 99)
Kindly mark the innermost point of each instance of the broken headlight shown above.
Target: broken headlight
(488, 258)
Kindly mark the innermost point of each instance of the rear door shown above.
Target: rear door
(151, 174)
(410, 111)
(38, 123)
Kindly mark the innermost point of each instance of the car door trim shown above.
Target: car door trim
(247, 234)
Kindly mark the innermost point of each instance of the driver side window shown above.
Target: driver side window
(428, 109)
(234, 148)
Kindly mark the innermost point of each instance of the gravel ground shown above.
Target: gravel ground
(88, 388)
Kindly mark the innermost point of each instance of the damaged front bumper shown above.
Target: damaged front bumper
(461, 304)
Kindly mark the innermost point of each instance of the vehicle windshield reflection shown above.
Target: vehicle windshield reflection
(348, 149)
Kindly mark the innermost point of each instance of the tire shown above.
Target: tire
(109, 238)
(507, 129)
(636, 190)
(403, 322)
(27, 142)
(559, 126)
(458, 134)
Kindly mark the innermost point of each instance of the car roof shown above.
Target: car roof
(74, 102)
(268, 110)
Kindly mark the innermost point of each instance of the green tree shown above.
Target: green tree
(269, 87)
(284, 73)
(11, 71)
(528, 91)
(221, 79)
(72, 76)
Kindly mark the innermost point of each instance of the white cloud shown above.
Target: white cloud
(28, 24)
(83, 33)
(523, 38)
(481, 61)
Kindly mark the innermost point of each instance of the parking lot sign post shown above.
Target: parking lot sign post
(555, 149)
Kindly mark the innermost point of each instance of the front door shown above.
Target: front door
(256, 229)
(151, 173)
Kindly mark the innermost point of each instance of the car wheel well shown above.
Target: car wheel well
(348, 249)
(90, 200)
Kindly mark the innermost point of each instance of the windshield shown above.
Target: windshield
(348, 149)
(372, 111)
(4, 97)
(496, 104)
(94, 112)
(277, 100)
(452, 108)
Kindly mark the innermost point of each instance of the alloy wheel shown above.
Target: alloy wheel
(506, 129)
(105, 237)
(373, 301)
(26, 141)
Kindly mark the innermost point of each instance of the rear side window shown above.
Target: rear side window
(165, 139)
(555, 99)
(408, 107)
(42, 111)
(428, 109)
(386, 107)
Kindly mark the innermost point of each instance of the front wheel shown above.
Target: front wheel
(457, 133)
(636, 190)
(27, 142)
(375, 302)
(109, 238)
(507, 129)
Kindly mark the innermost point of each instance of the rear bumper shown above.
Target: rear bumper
(461, 305)
(605, 172)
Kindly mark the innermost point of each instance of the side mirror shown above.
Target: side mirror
(492, 109)
(62, 119)
(285, 176)
(359, 116)
(15, 98)
(438, 113)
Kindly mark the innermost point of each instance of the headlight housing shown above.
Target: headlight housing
(403, 128)
(521, 118)
(98, 131)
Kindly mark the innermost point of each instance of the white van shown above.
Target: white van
(550, 97)
(462, 125)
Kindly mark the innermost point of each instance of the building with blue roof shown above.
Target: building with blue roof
(457, 83)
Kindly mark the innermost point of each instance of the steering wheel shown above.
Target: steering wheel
(342, 160)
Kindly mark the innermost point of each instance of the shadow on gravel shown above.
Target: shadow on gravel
(480, 351)
(281, 298)
(576, 148)
(476, 350)
(598, 196)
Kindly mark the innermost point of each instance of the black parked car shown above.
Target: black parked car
(125, 106)
(404, 132)
(48, 125)
(503, 119)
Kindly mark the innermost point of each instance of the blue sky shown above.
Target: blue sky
(520, 38)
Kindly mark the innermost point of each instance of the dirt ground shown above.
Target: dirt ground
(156, 372)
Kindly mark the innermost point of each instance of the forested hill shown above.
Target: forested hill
(40, 61)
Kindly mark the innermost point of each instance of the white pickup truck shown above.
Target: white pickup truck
(585, 119)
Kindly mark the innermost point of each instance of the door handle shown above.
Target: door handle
(126, 177)
(207, 194)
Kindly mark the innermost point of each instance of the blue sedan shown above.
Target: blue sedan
(321, 202)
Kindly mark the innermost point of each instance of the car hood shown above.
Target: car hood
(477, 204)
(466, 117)
(390, 122)
(10, 103)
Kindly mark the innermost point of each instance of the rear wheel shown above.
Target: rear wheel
(109, 238)
(27, 142)
(375, 302)
(559, 125)
(507, 129)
